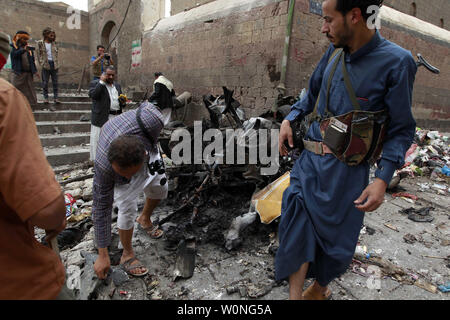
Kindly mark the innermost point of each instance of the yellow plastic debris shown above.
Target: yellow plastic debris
(78, 218)
(267, 202)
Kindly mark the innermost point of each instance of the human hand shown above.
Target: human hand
(103, 77)
(285, 134)
(102, 265)
(372, 197)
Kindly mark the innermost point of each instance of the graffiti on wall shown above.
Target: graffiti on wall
(136, 54)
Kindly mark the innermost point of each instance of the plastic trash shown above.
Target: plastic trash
(411, 155)
(446, 170)
(445, 288)
(267, 202)
(405, 195)
(70, 204)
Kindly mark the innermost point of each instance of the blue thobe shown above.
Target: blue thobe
(320, 223)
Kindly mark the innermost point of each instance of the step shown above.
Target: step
(67, 155)
(77, 98)
(68, 139)
(70, 105)
(46, 127)
(64, 115)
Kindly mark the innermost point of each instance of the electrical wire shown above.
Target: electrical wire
(121, 25)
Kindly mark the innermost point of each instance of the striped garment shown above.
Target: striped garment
(104, 176)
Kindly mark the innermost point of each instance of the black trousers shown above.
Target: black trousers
(46, 74)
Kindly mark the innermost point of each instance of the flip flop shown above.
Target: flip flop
(312, 294)
(154, 232)
(417, 217)
(127, 267)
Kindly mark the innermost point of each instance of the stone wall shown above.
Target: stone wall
(33, 16)
(430, 11)
(239, 44)
(184, 5)
(436, 12)
(228, 43)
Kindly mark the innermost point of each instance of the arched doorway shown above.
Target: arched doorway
(108, 34)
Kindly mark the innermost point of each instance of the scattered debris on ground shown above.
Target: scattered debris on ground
(216, 246)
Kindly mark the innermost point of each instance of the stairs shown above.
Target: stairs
(64, 137)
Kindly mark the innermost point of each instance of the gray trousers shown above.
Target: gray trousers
(46, 74)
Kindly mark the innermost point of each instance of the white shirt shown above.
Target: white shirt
(48, 47)
(113, 96)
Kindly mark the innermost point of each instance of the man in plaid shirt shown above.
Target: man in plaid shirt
(121, 174)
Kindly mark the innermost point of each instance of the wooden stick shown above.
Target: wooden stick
(391, 227)
(433, 257)
(82, 178)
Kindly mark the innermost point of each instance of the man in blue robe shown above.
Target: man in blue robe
(323, 209)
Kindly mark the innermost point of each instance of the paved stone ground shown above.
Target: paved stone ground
(248, 272)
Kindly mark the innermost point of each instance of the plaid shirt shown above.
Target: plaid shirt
(105, 177)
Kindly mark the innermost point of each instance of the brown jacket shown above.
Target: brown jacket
(42, 55)
(28, 270)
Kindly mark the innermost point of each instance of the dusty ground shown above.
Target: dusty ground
(248, 271)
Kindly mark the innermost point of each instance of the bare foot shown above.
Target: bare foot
(145, 223)
(316, 292)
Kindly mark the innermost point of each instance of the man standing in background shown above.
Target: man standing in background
(163, 95)
(47, 54)
(105, 104)
(24, 66)
(100, 62)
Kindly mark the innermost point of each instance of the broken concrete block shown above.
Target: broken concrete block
(88, 183)
(89, 280)
(119, 276)
(87, 204)
(74, 258)
(76, 193)
(74, 185)
(88, 193)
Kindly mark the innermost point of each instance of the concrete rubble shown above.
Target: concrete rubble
(229, 254)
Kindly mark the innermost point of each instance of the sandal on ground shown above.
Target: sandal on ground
(420, 218)
(154, 232)
(127, 267)
(312, 294)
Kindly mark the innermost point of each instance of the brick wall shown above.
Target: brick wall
(243, 51)
(33, 16)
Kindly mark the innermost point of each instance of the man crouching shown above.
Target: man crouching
(127, 151)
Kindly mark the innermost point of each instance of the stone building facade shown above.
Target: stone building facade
(33, 16)
(436, 12)
(239, 44)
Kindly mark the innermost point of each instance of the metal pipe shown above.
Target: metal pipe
(282, 86)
